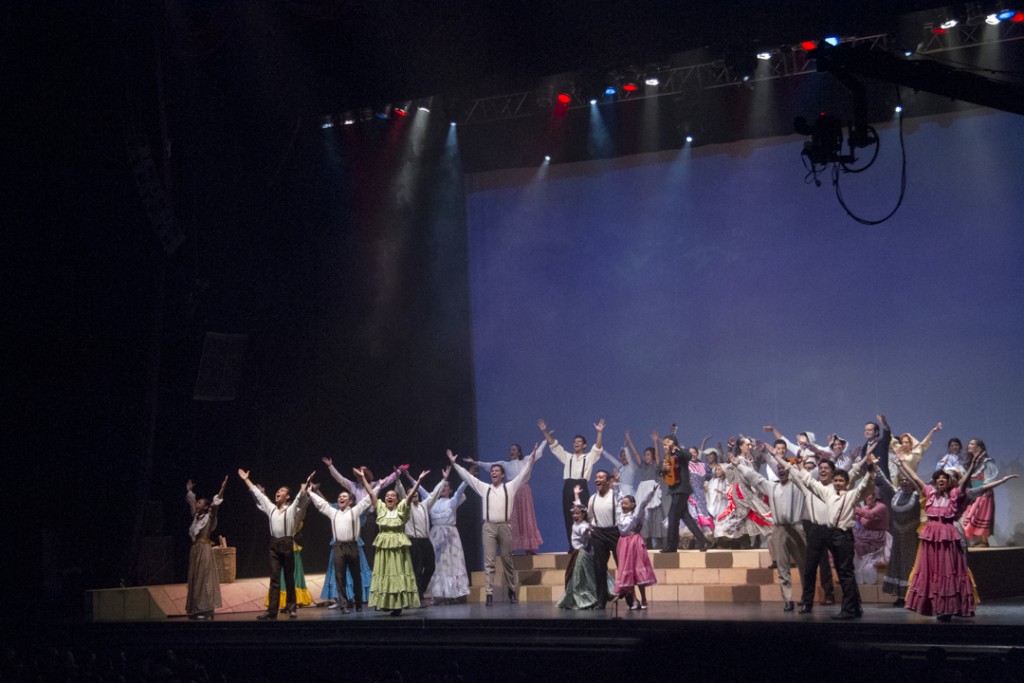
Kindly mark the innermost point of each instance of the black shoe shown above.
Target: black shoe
(945, 617)
(704, 548)
(805, 609)
(359, 607)
(899, 602)
(667, 550)
(346, 610)
(490, 600)
(601, 604)
(789, 606)
(829, 600)
(512, 598)
(773, 565)
(844, 615)
(267, 615)
(396, 612)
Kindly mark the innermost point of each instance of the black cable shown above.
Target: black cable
(903, 178)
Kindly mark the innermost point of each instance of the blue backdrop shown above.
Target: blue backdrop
(714, 287)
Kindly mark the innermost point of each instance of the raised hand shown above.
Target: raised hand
(328, 461)
(768, 428)
(471, 461)
(446, 471)
(577, 489)
(533, 453)
(938, 426)
(358, 471)
(451, 456)
(543, 425)
(244, 474)
(188, 485)
(599, 426)
(223, 485)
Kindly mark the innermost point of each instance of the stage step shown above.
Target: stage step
(739, 576)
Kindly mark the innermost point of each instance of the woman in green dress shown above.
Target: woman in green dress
(393, 586)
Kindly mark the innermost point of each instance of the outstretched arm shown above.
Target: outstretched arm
(599, 442)
(909, 474)
(632, 447)
(547, 433)
(371, 493)
(190, 497)
(997, 482)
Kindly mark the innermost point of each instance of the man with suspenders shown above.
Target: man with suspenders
(498, 497)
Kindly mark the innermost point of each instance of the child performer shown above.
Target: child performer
(634, 564)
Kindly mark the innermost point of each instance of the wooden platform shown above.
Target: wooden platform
(717, 576)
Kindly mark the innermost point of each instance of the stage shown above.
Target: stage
(537, 641)
(736, 629)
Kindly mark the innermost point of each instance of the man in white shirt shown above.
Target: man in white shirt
(840, 501)
(345, 529)
(602, 512)
(576, 468)
(285, 515)
(498, 498)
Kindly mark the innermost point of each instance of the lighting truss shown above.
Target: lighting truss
(704, 76)
(963, 35)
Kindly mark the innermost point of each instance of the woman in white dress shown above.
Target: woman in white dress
(450, 581)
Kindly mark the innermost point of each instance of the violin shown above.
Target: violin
(670, 466)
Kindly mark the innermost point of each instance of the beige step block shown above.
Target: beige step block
(553, 577)
(745, 594)
(665, 560)
(539, 594)
(707, 576)
(545, 561)
(678, 576)
(663, 593)
(770, 593)
(689, 593)
(530, 577)
(719, 559)
(752, 559)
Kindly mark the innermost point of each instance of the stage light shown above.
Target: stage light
(610, 90)
(349, 122)
(832, 40)
(453, 124)
(401, 112)
(630, 86)
(689, 138)
(908, 53)
(809, 45)
(593, 102)
(992, 20)
(1004, 14)
(948, 24)
(764, 56)
(423, 109)
(328, 122)
(547, 157)
(938, 30)
(652, 81)
(898, 109)
(564, 98)
(1018, 17)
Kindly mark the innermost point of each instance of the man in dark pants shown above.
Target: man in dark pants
(576, 467)
(285, 516)
(840, 501)
(345, 528)
(816, 531)
(602, 511)
(680, 492)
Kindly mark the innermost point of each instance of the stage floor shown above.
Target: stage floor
(538, 642)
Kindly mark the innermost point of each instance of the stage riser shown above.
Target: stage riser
(737, 576)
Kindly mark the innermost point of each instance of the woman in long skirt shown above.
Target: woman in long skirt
(450, 581)
(203, 595)
(981, 514)
(649, 470)
(904, 519)
(940, 583)
(393, 586)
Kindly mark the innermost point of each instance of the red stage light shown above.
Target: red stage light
(809, 45)
(401, 112)
(564, 98)
(938, 30)
(1017, 18)
(630, 87)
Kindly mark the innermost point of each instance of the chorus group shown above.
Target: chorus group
(857, 510)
